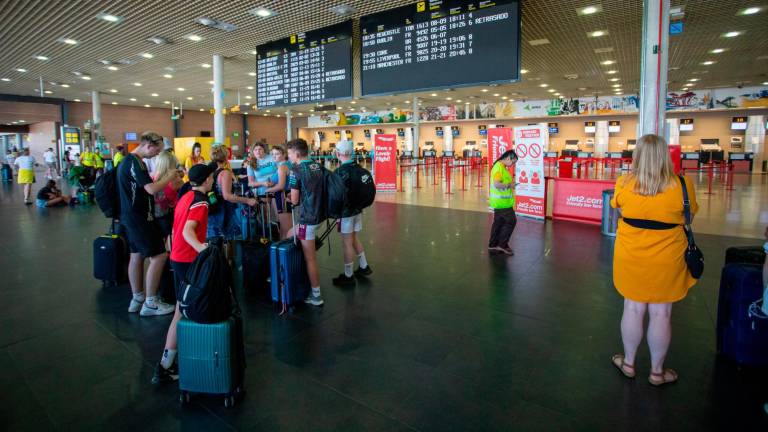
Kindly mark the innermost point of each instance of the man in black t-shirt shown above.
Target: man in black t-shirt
(137, 216)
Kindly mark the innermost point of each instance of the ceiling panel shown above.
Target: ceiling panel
(569, 63)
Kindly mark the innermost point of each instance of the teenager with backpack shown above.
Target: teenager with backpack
(307, 183)
(360, 194)
(190, 225)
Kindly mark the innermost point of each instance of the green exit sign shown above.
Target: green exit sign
(235, 134)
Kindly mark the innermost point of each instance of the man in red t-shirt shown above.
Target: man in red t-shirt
(190, 223)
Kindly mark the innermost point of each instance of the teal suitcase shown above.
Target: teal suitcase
(211, 359)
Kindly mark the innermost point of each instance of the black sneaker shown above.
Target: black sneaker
(163, 375)
(343, 280)
(362, 272)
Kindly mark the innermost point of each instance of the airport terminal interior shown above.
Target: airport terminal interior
(446, 333)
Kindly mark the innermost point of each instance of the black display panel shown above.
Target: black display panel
(306, 67)
(439, 44)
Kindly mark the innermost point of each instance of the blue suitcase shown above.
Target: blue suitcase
(742, 334)
(211, 359)
(290, 282)
(7, 173)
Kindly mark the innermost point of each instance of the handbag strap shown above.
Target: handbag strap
(687, 213)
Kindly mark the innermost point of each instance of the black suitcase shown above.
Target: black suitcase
(745, 255)
(742, 329)
(110, 259)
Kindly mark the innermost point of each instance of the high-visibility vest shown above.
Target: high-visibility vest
(118, 157)
(87, 158)
(501, 198)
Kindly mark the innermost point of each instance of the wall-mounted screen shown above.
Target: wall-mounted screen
(305, 67)
(553, 128)
(131, 136)
(482, 130)
(589, 127)
(614, 126)
(439, 44)
(439, 131)
(686, 125)
(739, 123)
(455, 131)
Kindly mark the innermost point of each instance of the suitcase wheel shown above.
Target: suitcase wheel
(184, 398)
(229, 401)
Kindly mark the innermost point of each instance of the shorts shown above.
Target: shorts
(306, 232)
(179, 273)
(41, 203)
(51, 165)
(145, 239)
(26, 176)
(352, 224)
(165, 224)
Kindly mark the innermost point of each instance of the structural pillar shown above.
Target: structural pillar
(653, 67)
(416, 120)
(288, 131)
(96, 130)
(218, 99)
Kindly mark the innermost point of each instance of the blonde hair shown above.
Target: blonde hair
(652, 167)
(219, 154)
(166, 161)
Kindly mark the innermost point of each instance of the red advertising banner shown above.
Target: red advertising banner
(499, 141)
(385, 162)
(530, 143)
(579, 200)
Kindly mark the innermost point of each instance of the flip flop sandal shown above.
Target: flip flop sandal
(618, 361)
(658, 380)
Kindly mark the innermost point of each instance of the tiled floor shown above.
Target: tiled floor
(442, 337)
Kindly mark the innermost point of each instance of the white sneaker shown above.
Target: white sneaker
(159, 308)
(134, 306)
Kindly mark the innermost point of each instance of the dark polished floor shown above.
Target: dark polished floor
(443, 337)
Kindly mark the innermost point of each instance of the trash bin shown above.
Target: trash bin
(611, 216)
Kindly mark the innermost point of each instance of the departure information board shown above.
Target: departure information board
(440, 43)
(306, 67)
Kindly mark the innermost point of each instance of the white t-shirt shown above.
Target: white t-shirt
(25, 162)
(49, 157)
(9, 159)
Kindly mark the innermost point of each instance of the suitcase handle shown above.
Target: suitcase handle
(216, 359)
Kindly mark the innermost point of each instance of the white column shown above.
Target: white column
(288, 131)
(653, 68)
(96, 120)
(601, 138)
(219, 127)
(416, 120)
(755, 140)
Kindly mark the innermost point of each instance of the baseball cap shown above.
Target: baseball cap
(344, 147)
(199, 173)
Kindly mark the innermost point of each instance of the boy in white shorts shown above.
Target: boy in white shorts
(351, 222)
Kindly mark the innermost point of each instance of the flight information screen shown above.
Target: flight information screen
(306, 67)
(440, 43)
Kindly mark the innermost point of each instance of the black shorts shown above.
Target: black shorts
(282, 204)
(179, 271)
(144, 238)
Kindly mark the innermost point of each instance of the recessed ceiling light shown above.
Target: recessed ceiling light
(615, 85)
(158, 40)
(137, 84)
(551, 90)
(194, 37)
(523, 71)
(749, 11)
(597, 33)
(265, 115)
(732, 34)
(5, 79)
(708, 62)
(252, 73)
(113, 90)
(167, 102)
(765, 83)
(147, 106)
(253, 52)
(543, 85)
(262, 12)
(449, 98)
(269, 110)
(495, 95)
(205, 65)
(65, 85)
(614, 79)
(85, 77)
(607, 62)
(693, 79)
(132, 99)
(504, 97)
(434, 95)
(484, 90)
(537, 42)
(718, 50)
(611, 72)
(109, 17)
(42, 58)
(250, 87)
(22, 70)
(210, 82)
(114, 103)
(458, 100)
(154, 95)
(78, 100)
(113, 68)
(189, 98)
(67, 41)
(147, 55)
(180, 89)
(48, 92)
(557, 94)
(589, 10)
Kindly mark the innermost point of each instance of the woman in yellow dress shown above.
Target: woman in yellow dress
(649, 268)
(194, 159)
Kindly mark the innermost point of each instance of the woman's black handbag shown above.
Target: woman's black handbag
(694, 259)
(693, 256)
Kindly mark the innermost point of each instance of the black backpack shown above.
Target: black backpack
(361, 188)
(207, 296)
(335, 195)
(215, 196)
(108, 195)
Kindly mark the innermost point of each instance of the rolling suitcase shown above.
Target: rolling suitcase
(290, 281)
(255, 253)
(110, 263)
(211, 359)
(742, 330)
(745, 255)
(7, 173)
